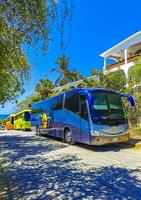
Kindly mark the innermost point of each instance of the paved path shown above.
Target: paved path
(33, 167)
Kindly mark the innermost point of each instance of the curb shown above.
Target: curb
(135, 143)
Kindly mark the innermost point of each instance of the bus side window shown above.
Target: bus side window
(58, 105)
(72, 102)
(83, 108)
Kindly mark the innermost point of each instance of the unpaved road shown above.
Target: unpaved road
(41, 168)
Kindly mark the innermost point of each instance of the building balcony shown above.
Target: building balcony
(122, 62)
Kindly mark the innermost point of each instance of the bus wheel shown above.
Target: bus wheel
(68, 137)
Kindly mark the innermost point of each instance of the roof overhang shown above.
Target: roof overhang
(125, 44)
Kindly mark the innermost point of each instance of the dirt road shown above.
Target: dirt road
(41, 168)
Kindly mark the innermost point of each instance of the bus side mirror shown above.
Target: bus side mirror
(130, 99)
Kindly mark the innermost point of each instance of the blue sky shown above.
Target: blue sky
(97, 26)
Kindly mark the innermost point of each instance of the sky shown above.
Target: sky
(96, 27)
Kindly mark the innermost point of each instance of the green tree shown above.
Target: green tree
(45, 88)
(117, 81)
(66, 75)
(134, 114)
(135, 74)
(31, 19)
(14, 66)
(114, 81)
(20, 22)
(24, 22)
(27, 103)
(134, 88)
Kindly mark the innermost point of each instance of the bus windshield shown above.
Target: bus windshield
(107, 108)
(27, 116)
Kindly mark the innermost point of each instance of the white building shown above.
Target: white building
(123, 55)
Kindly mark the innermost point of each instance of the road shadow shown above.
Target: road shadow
(115, 147)
(25, 175)
(106, 148)
(58, 179)
(15, 147)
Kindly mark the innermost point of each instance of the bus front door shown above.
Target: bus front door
(84, 120)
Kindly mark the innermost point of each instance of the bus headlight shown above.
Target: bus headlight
(96, 133)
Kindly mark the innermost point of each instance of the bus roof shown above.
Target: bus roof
(94, 89)
(79, 90)
(22, 111)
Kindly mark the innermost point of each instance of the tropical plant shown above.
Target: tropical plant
(114, 81)
(135, 74)
(134, 88)
(28, 101)
(134, 114)
(66, 75)
(45, 88)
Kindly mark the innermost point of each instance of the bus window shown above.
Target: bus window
(72, 102)
(100, 101)
(107, 108)
(83, 108)
(27, 116)
(58, 104)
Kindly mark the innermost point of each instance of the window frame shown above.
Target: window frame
(69, 94)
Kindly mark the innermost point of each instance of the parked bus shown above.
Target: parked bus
(22, 120)
(92, 116)
(10, 122)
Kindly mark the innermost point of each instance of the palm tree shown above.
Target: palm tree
(44, 88)
(65, 74)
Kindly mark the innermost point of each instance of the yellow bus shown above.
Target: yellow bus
(22, 120)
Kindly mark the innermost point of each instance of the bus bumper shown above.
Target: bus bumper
(101, 140)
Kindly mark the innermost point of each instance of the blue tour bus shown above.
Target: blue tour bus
(92, 116)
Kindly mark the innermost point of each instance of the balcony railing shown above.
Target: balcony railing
(122, 62)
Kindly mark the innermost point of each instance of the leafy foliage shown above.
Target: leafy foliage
(135, 73)
(44, 88)
(20, 22)
(30, 22)
(65, 74)
(114, 81)
(134, 115)
(30, 18)
(14, 66)
(64, 22)
(26, 103)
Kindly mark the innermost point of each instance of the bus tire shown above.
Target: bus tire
(68, 137)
